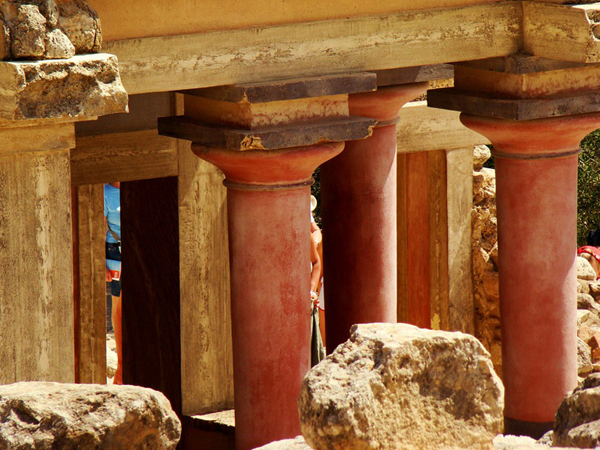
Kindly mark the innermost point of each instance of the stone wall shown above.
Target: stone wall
(485, 256)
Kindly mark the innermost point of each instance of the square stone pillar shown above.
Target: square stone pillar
(39, 102)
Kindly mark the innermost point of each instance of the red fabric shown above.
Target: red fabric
(594, 251)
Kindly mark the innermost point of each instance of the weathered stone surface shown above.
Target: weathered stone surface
(485, 257)
(28, 32)
(584, 359)
(577, 421)
(583, 287)
(81, 24)
(43, 29)
(509, 442)
(585, 270)
(594, 290)
(45, 416)
(586, 301)
(298, 443)
(58, 45)
(481, 153)
(79, 87)
(395, 386)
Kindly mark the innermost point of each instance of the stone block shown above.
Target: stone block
(81, 87)
(298, 443)
(395, 386)
(577, 421)
(585, 270)
(46, 415)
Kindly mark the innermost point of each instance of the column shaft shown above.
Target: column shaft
(269, 234)
(536, 175)
(359, 219)
(268, 204)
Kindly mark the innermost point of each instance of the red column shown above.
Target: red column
(268, 201)
(358, 191)
(536, 176)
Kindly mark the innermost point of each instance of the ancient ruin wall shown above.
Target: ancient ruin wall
(485, 256)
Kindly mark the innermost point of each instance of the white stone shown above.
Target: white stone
(585, 270)
(44, 416)
(298, 443)
(395, 386)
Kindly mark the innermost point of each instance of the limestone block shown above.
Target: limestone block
(28, 32)
(43, 29)
(577, 422)
(594, 290)
(481, 153)
(586, 301)
(584, 359)
(58, 45)
(395, 386)
(509, 442)
(45, 415)
(583, 287)
(81, 24)
(298, 443)
(585, 270)
(75, 88)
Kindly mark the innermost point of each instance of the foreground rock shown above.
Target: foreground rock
(46, 416)
(297, 443)
(395, 386)
(577, 421)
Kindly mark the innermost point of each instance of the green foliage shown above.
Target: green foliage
(588, 187)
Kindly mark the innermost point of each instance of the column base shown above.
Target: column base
(534, 430)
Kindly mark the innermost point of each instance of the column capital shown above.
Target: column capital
(268, 169)
(521, 88)
(385, 103)
(534, 139)
(275, 115)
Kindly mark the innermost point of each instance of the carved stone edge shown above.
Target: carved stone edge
(79, 88)
(514, 109)
(267, 138)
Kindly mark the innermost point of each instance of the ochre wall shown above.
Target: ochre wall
(143, 18)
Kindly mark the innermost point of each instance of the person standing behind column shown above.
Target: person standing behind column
(112, 215)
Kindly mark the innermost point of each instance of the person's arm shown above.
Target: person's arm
(107, 274)
(315, 274)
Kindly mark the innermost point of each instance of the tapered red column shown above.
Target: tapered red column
(536, 176)
(359, 219)
(268, 200)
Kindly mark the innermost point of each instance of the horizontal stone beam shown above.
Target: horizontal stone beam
(404, 39)
(563, 32)
(78, 88)
(425, 129)
(129, 156)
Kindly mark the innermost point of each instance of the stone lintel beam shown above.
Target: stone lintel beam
(567, 32)
(290, 89)
(269, 138)
(78, 88)
(521, 88)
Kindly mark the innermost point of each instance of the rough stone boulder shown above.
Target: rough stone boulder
(585, 271)
(577, 422)
(395, 386)
(47, 29)
(47, 416)
(297, 443)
